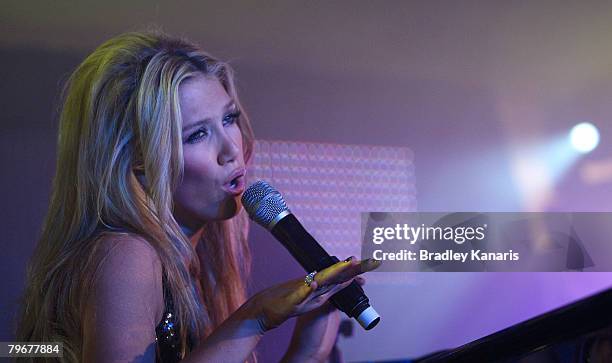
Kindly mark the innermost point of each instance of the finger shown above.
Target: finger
(341, 286)
(322, 296)
(369, 265)
(307, 291)
(338, 272)
(345, 270)
(360, 280)
(303, 291)
(323, 289)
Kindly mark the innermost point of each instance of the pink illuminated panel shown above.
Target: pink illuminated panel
(327, 186)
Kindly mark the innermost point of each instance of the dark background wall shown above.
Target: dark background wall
(464, 84)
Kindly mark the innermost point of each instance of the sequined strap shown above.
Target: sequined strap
(167, 331)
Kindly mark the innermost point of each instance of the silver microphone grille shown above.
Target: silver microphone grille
(264, 204)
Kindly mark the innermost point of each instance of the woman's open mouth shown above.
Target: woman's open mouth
(236, 183)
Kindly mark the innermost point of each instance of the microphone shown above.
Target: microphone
(266, 206)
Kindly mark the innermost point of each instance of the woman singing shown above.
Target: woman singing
(143, 255)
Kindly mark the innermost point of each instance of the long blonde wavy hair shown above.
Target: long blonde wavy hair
(120, 122)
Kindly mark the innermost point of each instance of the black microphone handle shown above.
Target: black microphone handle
(308, 252)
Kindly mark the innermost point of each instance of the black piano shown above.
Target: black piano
(580, 332)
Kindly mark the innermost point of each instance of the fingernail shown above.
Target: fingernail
(372, 262)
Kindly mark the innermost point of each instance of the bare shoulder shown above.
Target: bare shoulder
(127, 261)
(128, 265)
(119, 252)
(126, 299)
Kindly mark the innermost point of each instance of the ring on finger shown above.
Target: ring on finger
(323, 289)
(309, 278)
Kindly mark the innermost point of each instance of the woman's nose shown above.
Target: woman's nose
(230, 149)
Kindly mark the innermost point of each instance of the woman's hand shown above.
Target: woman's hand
(237, 336)
(275, 305)
(315, 333)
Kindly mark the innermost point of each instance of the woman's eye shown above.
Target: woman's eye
(198, 135)
(231, 118)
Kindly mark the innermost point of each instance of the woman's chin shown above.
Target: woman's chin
(231, 208)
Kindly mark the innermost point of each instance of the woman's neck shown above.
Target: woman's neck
(194, 235)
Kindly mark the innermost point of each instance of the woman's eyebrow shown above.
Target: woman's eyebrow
(228, 106)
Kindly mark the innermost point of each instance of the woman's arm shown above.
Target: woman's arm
(124, 304)
(239, 334)
(314, 336)
(232, 341)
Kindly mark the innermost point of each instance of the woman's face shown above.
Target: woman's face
(214, 170)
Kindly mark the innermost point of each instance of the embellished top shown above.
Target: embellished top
(167, 333)
(168, 348)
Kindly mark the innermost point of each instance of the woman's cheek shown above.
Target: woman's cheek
(198, 165)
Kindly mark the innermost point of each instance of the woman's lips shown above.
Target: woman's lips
(236, 185)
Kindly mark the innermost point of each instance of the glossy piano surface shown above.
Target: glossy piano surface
(578, 332)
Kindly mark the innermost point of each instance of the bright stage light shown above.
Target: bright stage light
(584, 137)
